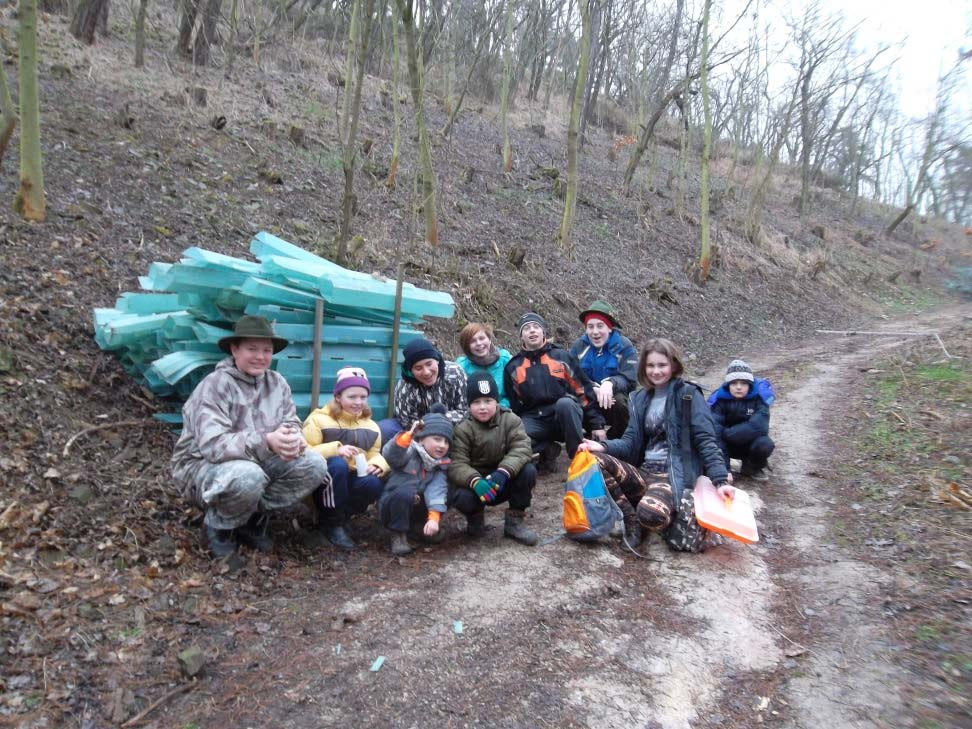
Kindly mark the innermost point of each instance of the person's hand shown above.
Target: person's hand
(416, 427)
(729, 477)
(286, 441)
(605, 394)
(599, 435)
(374, 470)
(431, 528)
(591, 446)
(482, 488)
(726, 491)
(348, 451)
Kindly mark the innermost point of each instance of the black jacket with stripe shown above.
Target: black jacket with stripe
(535, 381)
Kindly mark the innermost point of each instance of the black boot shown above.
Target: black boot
(338, 535)
(255, 533)
(221, 542)
(476, 524)
(633, 534)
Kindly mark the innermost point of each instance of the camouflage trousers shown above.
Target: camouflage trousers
(648, 497)
(232, 491)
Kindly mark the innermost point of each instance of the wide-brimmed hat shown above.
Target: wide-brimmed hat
(253, 327)
(604, 311)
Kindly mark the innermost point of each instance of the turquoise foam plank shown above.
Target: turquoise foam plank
(265, 244)
(135, 303)
(173, 367)
(345, 334)
(190, 277)
(343, 286)
(152, 281)
(336, 353)
(219, 260)
(169, 418)
(129, 327)
(208, 333)
(276, 293)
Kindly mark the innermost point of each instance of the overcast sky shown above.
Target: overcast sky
(930, 31)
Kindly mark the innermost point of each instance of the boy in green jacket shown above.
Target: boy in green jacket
(491, 463)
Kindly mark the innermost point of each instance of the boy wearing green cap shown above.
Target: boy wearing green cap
(609, 360)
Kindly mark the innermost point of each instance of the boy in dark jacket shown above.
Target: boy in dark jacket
(548, 389)
(491, 455)
(418, 485)
(741, 418)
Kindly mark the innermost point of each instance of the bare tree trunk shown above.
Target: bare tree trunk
(363, 32)
(754, 214)
(661, 104)
(8, 114)
(405, 11)
(472, 67)
(573, 143)
(85, 21)
(140, 33)
(206, 33)
(396, 113)
(190, 8)
(505, 100)
(29, 202)
(706, 146)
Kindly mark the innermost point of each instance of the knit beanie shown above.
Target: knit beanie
(481, 384)
(416, 351)
(531, 316)
(435, 423)
(599, 317)
(351, 377)
(739, 370)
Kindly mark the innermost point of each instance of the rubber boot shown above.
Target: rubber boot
(399, 544)
(221, 542)
(515, 527)
(476, 524)
(255, 533)
(337, 534)
(548, 458)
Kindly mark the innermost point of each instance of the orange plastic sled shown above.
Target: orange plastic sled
(733, 518)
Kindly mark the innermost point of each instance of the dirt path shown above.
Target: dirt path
(787, 633)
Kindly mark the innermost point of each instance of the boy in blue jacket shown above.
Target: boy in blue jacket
(741, 414)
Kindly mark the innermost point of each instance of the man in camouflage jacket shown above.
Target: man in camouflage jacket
(241, 452)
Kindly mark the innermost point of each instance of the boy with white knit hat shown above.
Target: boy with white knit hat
(740, 411)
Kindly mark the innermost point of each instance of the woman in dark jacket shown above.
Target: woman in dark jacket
(651, 470)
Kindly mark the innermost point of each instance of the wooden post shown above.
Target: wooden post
(316, 366)
(396, 327)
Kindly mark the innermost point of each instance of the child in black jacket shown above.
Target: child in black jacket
(741, 417)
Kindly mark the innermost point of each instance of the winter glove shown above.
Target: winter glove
(482, 488)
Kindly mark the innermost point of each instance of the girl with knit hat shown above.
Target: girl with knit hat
(345, 435)
(482, 355)
(609, 360)
(426, 378)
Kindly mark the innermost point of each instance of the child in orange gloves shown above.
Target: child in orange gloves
(417, 486)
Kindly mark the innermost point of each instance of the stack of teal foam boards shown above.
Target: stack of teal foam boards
(166, 336)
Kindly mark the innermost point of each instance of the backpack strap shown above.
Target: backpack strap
(686, 427)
